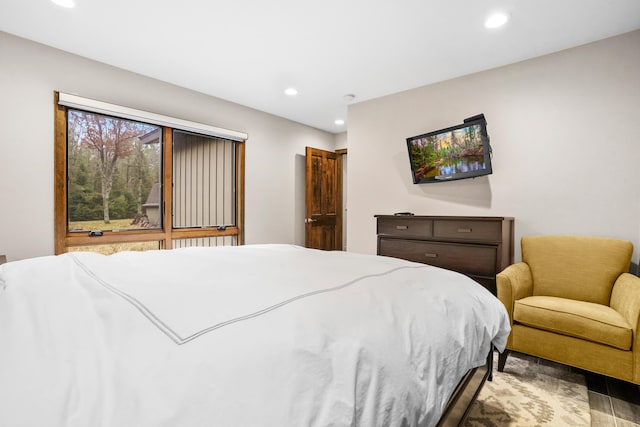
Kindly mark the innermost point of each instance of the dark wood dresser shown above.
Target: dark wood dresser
(479, 247)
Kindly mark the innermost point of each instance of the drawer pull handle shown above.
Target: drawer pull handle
(430, 255)
(402, 227)
(464, 230)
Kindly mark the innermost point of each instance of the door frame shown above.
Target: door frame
(338, 197)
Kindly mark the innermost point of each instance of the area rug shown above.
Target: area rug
(531, 392)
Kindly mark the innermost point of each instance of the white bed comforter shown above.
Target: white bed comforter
(262, 335)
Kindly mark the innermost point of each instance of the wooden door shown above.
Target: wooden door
(323, 221)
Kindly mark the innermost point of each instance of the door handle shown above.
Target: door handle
(309, 220)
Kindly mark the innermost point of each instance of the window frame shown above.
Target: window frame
(164, 235)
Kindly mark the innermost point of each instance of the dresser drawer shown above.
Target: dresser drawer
(465, 258)
(468, 230)
(405, 226)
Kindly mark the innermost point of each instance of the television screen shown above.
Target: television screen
(457, 152)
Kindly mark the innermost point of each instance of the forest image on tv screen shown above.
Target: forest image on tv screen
(448, 153)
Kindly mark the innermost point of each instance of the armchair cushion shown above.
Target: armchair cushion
(594, 322)
(576, 267)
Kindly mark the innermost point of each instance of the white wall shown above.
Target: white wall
(566, 142)
(341, 140)
(29, 74)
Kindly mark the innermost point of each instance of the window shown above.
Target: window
(203, 190)
(130, 180)
(113, 173)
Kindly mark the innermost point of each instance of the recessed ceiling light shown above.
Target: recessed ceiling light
(64, 3)
(496, 20)
(339, 122)
(291, 91)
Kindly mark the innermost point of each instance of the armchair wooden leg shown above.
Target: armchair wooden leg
(502, 359)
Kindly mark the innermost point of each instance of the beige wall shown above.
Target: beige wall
(565, 135)
(341, 140)
(29, 74)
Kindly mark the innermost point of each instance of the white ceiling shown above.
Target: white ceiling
(249, 51)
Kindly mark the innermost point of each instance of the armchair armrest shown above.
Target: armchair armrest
(513, 283)
(625, 299)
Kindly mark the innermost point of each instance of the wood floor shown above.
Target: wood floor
(613, 403)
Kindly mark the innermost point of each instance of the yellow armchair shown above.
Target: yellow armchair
(571, 300)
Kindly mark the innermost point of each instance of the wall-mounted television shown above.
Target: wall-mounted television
(457, 152)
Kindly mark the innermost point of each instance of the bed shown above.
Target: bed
(255, 335)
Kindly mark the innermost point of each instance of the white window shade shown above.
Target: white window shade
(94, 106)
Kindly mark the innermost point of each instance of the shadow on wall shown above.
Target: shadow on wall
(299, 197)
(634, 269)
(470, 191)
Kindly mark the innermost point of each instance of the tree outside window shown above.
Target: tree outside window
(113, 170)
